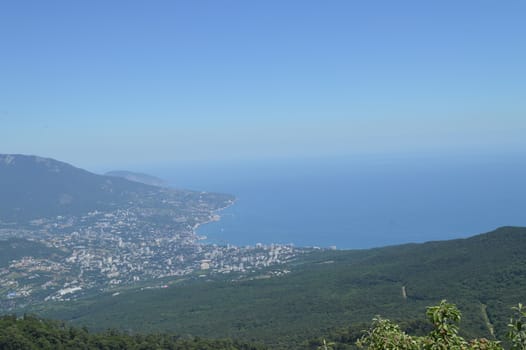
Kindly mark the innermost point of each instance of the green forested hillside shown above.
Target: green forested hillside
(30, 333)
(331, 290)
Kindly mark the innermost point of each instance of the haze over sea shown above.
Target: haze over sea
(360, 202)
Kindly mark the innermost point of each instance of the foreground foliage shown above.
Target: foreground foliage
(386, 335)
(32, 333)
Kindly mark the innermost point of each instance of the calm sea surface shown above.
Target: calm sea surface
(360, 202)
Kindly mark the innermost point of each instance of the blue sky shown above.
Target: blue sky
(98, 83)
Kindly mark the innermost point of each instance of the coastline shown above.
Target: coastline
(214, 217)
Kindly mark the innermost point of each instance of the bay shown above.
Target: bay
(360, 202)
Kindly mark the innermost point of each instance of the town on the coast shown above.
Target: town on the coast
(104, 251)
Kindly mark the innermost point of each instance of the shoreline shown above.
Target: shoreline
(214, 217)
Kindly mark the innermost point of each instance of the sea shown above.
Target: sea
(359, 202)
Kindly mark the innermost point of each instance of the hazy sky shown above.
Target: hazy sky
(138, 82)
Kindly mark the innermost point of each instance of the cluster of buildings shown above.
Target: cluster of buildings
(103, 251)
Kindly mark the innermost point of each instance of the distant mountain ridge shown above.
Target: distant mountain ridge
(138, 177)
(34, 187)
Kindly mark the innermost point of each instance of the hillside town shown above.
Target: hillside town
(105, 251)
